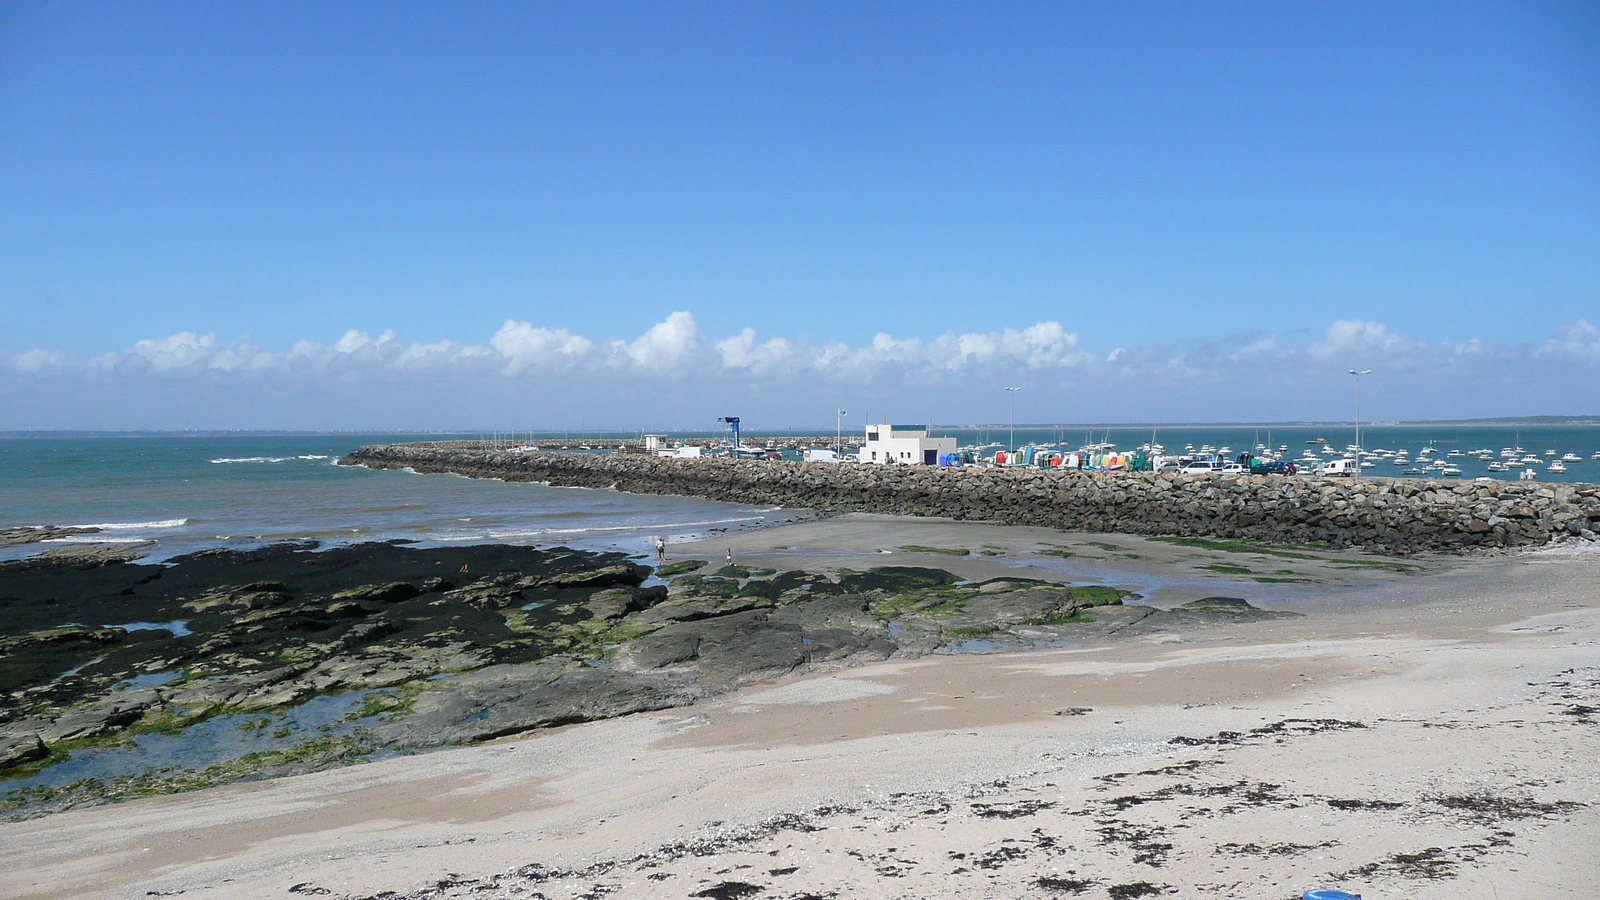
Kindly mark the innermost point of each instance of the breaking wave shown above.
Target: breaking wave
(141, 526)
(266, 459)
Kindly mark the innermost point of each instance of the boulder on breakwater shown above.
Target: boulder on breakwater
(1386, 514)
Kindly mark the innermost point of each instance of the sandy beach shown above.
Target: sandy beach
(1423, 733)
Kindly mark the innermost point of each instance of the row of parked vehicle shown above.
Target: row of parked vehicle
(1245, 464)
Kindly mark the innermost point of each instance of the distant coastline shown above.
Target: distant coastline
(1326, 423)
(1503, 421)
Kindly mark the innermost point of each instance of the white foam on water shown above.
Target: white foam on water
(266, 459)
(94, 539)
(139, 526)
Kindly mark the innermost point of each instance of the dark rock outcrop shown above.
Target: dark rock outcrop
(512, 699)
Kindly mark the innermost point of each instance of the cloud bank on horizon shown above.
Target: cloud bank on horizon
(675, 376)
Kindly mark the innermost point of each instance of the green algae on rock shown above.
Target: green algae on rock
(440, 646)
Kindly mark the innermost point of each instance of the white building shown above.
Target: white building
(904, 444)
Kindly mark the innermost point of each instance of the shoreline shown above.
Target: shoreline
(872, 778)
(899, 599)
(876, 777)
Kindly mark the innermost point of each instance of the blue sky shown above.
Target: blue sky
(211, 215)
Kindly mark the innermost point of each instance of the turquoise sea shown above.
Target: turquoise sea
(186, 493)
(190, 493)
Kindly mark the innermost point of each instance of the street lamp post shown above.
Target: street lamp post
(1013, 450)
(838, 432)
(1358, 417)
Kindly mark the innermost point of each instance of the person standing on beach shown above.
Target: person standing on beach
(661, 549)
(730, 556)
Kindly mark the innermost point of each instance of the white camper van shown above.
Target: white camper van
(1336, 467)
(822, 455)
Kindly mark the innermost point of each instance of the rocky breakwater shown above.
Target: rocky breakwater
(1386, 514)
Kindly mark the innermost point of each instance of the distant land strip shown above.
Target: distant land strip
(601, 433)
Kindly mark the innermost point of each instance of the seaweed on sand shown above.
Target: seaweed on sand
(894, 579)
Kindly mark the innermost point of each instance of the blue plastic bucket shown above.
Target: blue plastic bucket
(1329, 894)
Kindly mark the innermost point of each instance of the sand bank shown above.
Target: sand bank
(1412, 735)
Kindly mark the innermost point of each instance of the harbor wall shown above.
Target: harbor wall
(1386, 514)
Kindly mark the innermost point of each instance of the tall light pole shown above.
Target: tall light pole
(1013, 451)
(838, 431)
(1358, 416)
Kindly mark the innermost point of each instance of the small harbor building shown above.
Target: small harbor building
(904, 445)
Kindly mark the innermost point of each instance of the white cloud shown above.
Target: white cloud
(41, 360)
(1261, 348)
(665, 345)
(1043, 345)
(742, 352)
(176, 351)
(1352, 336)
(525, 346)
(1580, 340)
(441, 354)
(950, 371)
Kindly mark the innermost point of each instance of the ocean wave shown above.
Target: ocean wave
(264, 459)
(130, 526)
(95, 539)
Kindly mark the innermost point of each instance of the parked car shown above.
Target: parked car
(1337, 467)
(1279, 467)
(1230, 469)
(1198, 467)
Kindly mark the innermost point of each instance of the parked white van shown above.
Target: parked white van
(1336, 467)
(821, 455)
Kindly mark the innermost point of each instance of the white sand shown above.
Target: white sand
(955, 776)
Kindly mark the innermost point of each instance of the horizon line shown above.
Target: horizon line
(598, 432)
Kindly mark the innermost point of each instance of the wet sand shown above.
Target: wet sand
(1162, 572)
(1411, 735)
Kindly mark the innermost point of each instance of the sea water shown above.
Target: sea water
(174, 494)
(1582, 441)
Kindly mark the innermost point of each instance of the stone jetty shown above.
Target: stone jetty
(1385, 514)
